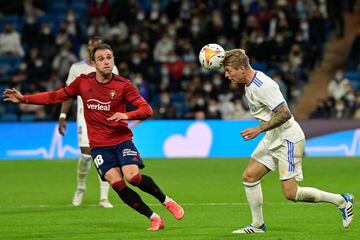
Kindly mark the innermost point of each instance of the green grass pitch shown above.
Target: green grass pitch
(35, 199)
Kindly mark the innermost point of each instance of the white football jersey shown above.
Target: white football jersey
(264, 97)
(78, 68)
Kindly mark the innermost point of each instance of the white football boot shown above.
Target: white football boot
(78, 197)
(104, 203)
(251, 229)
(347, 212)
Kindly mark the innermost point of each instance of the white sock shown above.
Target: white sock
(309, 194)
(104, 189)
(254, 196)
(84, 165)
(167, 199)
(154, 215)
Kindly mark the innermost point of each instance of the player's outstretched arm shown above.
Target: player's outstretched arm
(42, 98)
(13, 95)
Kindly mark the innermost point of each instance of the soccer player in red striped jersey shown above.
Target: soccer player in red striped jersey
(105, 96)
(84, 162)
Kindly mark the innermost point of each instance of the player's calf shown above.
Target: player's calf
(147, 184)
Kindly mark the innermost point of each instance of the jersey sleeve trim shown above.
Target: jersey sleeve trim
(274, 109)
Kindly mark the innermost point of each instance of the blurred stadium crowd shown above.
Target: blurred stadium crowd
(156, 45)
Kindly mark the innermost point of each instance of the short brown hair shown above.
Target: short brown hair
(101, 46)
(236, 58)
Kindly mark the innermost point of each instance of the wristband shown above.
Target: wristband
(62, 115)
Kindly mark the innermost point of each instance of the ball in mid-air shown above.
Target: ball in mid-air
(211, 56)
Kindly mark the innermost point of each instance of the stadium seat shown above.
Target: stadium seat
(353, 75)
(54, 19)
(28, 117)
(9, 64)
(8, 117)
(261, 66)
(78, 6)
(354, 78)
(57, 7)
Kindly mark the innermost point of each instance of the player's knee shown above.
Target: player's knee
(135, 180)
(289, 193)
(118, 185)
(84, 163)
(248, 177)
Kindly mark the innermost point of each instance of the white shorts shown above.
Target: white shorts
(287, 156)
(83, 140)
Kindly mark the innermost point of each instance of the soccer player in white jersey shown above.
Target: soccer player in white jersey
(84, 163)
(282, 145)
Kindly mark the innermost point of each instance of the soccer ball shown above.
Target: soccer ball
(211, 56)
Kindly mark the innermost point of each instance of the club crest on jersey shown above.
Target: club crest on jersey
(112, 94)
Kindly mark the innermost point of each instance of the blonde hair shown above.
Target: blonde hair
(236, 58)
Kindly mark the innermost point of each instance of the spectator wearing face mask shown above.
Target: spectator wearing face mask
(212, 111)
(338, 87)
(10, 42)
(165, 108)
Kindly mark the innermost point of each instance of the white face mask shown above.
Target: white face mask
(30, 20)
(38, 63)
(195, 29)
(187, 71)
(165, 99)
(222, 41)
(212, 109)
(46, 30)
(164, 20)
(234, 6)
(259, 39)
(136, 60)
(164, 71)
(339, 77)
(70, 18)
(200, 102)
(217, 81)
(138, 80)
(279, 39)
(304, 26)
(172, 31)
(23, 66)
(207, 87)
(350, 97)
(140, 16)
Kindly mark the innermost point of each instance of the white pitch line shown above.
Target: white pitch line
(158, 204)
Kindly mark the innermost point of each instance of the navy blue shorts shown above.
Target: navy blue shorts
(118, 155)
